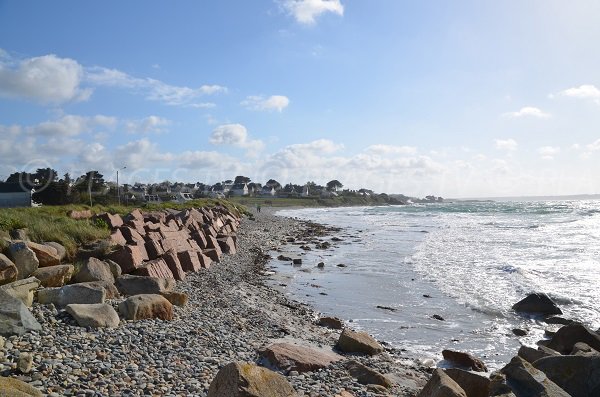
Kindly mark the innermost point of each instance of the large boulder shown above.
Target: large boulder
(111, 290)
(566, 337)
(47, 256)
(577, 375)
(112, 221)
(11, 387)
(241, 379)
(129, 257)
(330, 322)
(366, 375)
(525, 380)
(583, 349)
(94, 315)
(24, 259)
(15, 318)
(358, 342)
(176, 298)
(172, 261)
(80, 293)
(54, 276)
(135, 285)
(8, 270)
(79, 215)
(140, 307)
(154, 268)
(464, 360)
(94, 270)
(60, 249)
(531, 355)
(537, 304)
(292, 357)
(473, 385)
(22, 289)
(441, 385)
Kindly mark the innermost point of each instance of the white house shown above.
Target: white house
(268, 191)
(305, 191)
(15, 195)
(239, 189)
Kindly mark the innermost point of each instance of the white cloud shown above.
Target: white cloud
(306, 11)
(141, 153)
(594, 146)
(71, 125)
(528, 111)
(506, 144)
(154, 90)
(548, 152)
(150, 124)
(46, 79)
(235, 135)
(390, 149)
(202, 105)
(260, 103)
(586, 91)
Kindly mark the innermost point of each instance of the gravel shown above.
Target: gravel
(230, 315)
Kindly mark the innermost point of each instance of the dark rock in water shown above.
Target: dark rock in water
(284, 258)
(537, 304)
(331, 322)
(244, 380)
(531, 355)
(558, 320)
(386, 308)
(438, 317)
(464, 360)
(577, 375)
(366, 375)
(474, 385)
(341, 265)
(566, 337)
(297, 261)
(321, 265)
(583, 349)
(519, 332)
(425, 295)
(441, 385)
(525, 380)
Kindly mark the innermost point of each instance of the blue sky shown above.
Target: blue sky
(459, 99)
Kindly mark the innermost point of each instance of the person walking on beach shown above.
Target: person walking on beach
(257, 207)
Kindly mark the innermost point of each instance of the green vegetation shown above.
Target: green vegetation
(51, 223)
(341, 201)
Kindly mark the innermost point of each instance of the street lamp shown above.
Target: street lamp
(118, 189)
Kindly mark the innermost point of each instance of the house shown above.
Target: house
(305, 191)
(183, 197)
(16, 195)
(239, 189)
(267, 191)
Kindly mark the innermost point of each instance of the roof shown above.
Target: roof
(15, 187)
(239, 186)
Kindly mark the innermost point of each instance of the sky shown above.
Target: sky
(456, 99)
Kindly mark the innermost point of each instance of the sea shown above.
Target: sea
(466, 262)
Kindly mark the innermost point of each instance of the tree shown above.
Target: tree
(92, 181)
(241, 179)
(45, 175)
(20, 177)
(334, 185)
(273, 183)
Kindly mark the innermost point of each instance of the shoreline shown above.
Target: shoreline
(231, 314)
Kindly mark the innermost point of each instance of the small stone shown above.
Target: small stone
(25, 362)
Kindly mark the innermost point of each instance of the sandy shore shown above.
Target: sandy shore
(232, 312)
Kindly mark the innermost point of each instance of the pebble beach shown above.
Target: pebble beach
(231, 314)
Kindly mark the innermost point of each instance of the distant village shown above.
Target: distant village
(44, 187)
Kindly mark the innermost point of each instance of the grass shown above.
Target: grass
(51, 223)
(308, 201)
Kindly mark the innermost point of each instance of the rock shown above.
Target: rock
(144, 306)
(19, 234)
(189, 261)
(241, 379)
(155, 268)
(135, 285)
(227, 245)
(8, 270)
(321, 265)
(464, 360)
(331, 322)
(60, 249)
(154, 249)
(112, 221)
(114, 267)
(117, 238)
(94, 315)
(531, 355)
(205, 261)
(566, 337)
(297, 261)
(358, 342)
(577, 375)
(519, 332)
(176, 298)
(472, 384)
(111, 290)
(212, 254)
(366, 375)
(47, 256)
(438, 317)
(12, 387)
(292, 357)
(48, 296)
(131, 235)
(94, 270)
(15, 318)
(441, 385)
(78, 215)
(525, 380)
(344, 393)
(498, 386)
(129, 258)
(25, 362)
(558, 320)
(24, 259)
(22, 289)
(583, 349)
(54, 276)
(284, 258)
(172, 261)
(537, 304)
(80, 293)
